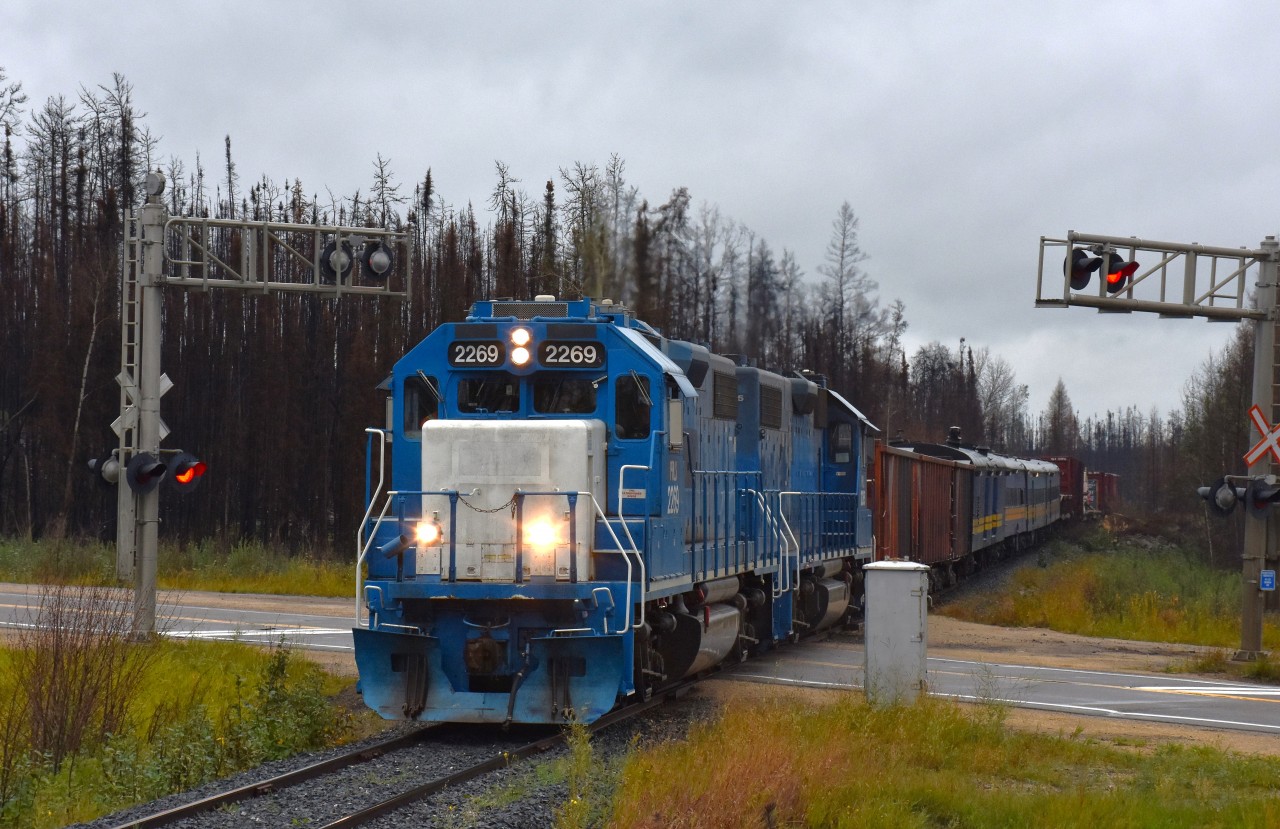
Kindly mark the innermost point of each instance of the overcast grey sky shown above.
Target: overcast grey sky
(960, 132)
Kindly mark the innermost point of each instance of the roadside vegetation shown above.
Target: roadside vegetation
(91, 722)
(931, 764)
(243, 567)
(1096, 583)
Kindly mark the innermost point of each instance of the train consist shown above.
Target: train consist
(579, 511)
(955, 506)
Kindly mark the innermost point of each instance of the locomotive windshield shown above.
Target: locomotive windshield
(564, 395)
(488, 394)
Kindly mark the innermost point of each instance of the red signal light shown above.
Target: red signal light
(1119, 272)
(185, 471)
(191, 473)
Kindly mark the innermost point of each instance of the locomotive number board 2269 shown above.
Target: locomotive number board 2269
(577, 354)
(477, 353)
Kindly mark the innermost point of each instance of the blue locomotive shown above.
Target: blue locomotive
(579, 510)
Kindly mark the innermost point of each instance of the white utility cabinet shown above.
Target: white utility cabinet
(896, 627)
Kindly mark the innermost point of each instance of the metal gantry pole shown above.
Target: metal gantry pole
(150, 272)
(1257, 533)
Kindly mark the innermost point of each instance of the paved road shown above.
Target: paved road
(322, 624)
(1153, 698)
(325, 624)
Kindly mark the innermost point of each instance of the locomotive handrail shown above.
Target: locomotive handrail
(622, 472)
(370, 497)
(772, 522)
(701, 477)
(825, 498)
(782, 513)
(363, 550)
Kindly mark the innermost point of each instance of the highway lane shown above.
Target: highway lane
(1165, 698)
(304, 622)
(325, 624)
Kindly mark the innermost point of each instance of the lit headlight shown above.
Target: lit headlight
(520, 336)
(428, 533)
(520, 356)
(541, 534)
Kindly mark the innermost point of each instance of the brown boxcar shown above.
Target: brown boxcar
(922, 510)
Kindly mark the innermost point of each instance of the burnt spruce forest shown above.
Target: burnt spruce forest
(275, 391)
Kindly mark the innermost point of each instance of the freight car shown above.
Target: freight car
(1102, 494)
(1072, 479)
(579, 510)
(955, 506)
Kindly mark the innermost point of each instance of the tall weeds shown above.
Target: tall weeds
(77, 668)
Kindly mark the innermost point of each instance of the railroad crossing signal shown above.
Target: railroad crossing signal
(1118, 271)
(163, 251)
(144, 472)
(377, 260)
(1082, 266)
(336, 261)
(185, 471)
(106, 468)
(1194, 280)
(1222, 495)
(1264, 493)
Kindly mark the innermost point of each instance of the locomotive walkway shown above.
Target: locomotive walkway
(324, 625)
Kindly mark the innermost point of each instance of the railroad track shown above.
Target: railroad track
(497, 760)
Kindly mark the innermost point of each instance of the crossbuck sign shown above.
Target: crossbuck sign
(1270, 438)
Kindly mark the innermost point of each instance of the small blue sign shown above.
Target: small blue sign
(1268, 580)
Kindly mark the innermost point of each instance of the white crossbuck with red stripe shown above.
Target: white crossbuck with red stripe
(1270, 438)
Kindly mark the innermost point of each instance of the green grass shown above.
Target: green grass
(929, 765)
(1149, 592)
(202, 710)
(244, 567)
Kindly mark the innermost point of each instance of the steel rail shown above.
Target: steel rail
(502, 760)
(280, 781)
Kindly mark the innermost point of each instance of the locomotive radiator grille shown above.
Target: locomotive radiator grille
(529, 310)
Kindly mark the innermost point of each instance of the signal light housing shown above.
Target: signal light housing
(1118, 271)
(1222, 496)
(1081, 267)
(185, 471)
(144, 472)
(1264, 493)
(336, 261)
(376, 261)
(106, 469)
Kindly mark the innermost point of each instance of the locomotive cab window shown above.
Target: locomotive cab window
(421, 403)
(498, 392)
(841, 443)
(564, 395)
(632, 405)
